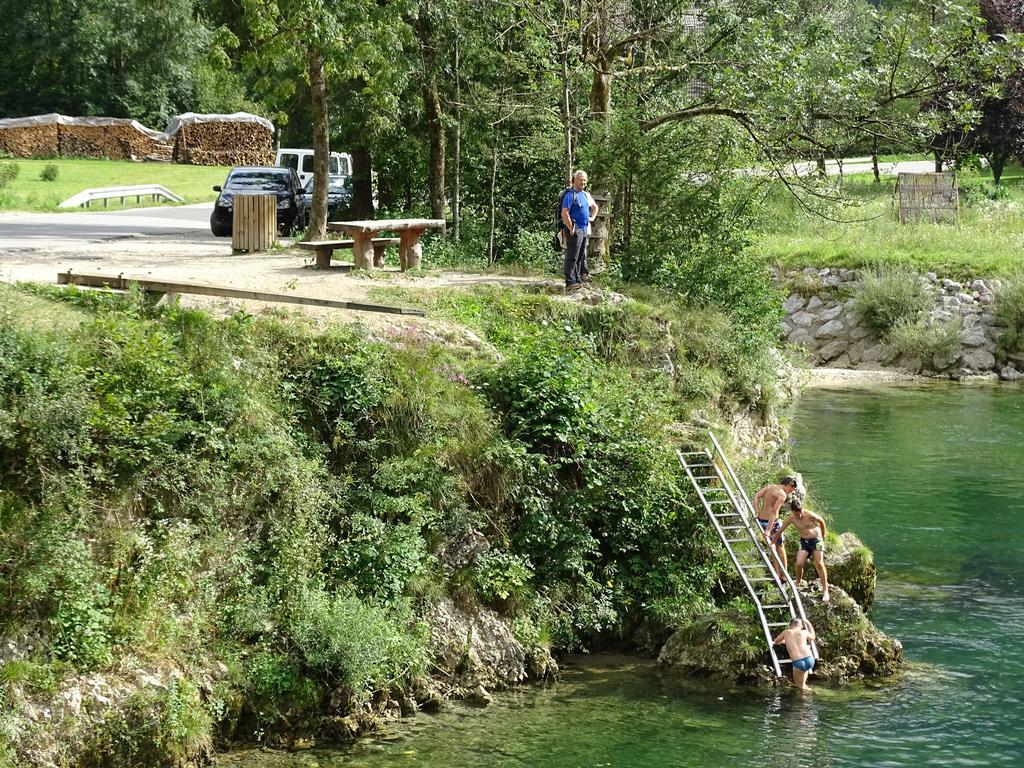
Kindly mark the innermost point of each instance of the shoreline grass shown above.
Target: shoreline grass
(988, 239)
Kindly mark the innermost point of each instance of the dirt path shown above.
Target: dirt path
(198, 259)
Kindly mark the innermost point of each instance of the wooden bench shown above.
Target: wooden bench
(325, 249)
(410, 250)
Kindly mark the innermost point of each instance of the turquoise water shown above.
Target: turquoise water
(933, 481)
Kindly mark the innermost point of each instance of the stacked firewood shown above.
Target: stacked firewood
(224, 143)
(117, 142)
(30, 141)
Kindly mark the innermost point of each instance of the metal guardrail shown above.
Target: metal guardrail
(109, 193)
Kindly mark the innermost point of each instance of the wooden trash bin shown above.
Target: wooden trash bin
(253, 222)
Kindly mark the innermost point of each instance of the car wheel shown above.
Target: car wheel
(219, 230)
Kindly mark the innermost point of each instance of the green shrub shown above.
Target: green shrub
(355, 643)
(884, 299)
(502, 575)
(1009, 310)
(8, 173)
(926, 340)
(806, 284)
(50, 172)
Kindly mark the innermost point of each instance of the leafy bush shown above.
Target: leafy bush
(884, 299)
(1009, 310)
(502, 575)
(50, 172)
(927, 340)
(8, 173)
(359, 645)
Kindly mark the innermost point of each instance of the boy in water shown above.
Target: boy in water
(798, 642)
(812, 543)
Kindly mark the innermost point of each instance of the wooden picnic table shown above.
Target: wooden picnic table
(410, 250)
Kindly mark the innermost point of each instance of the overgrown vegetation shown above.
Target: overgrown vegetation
(1009, 309)
(888, 298)
(927, 340)
(254, 492)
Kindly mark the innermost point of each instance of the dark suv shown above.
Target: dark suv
(255, 180)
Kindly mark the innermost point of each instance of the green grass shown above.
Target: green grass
(988, 240)
(28, 192)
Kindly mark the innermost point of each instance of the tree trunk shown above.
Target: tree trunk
(362, 182)
(317, 227)
(874, 163)
(938, 162)
(432, 112)
(457, 152)
(997, 162)
(493, 204)
(566, 118)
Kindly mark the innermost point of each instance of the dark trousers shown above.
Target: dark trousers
(575, 257)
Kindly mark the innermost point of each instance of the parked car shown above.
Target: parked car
(254, 180)
(339, 195)
(301, 161)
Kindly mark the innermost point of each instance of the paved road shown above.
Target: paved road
(20, 231)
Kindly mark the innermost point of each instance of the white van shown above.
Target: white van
(301, 160)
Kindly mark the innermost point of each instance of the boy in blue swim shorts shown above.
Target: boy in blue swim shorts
(798, 638)
(812, 543)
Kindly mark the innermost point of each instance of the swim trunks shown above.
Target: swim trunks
(806, 664)
(764, 527)
(809, 545)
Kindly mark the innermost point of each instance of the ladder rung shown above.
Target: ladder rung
(721, 501)
(734, 527)
(778, 623)
(752, 565)
(693, 453)
(696, 466)
(780, 605)
(725, 514)
(784, 661)
(767, 578)
(719, 490)
(706, 477)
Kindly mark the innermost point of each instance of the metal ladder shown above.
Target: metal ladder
(728, 507)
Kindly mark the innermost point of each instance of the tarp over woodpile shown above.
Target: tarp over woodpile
(200, 139)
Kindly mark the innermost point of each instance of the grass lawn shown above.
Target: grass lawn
(27, 192)
(988, 240)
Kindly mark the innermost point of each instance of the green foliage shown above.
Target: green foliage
(501, 575)
(926, 340)
(8, 173)
(162, 728)
(885, 298)
(1009, 310)
(50, 172)
(348, 641)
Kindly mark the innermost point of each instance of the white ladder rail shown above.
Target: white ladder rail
(798, 606)
(732, 555)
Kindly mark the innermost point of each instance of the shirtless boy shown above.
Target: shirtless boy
(812, 543)
(798, 642)
(767, 503)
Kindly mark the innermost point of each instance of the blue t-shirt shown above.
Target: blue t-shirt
(579, 208)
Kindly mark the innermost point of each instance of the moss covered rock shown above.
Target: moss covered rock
(850, 564)
(728, 644)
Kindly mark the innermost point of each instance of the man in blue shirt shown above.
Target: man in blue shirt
(577, 210)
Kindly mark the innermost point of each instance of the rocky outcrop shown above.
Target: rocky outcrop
(728, 644)
(849, 563)
(474, 648)
(821, 318)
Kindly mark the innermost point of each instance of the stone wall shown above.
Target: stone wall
(821, 318)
